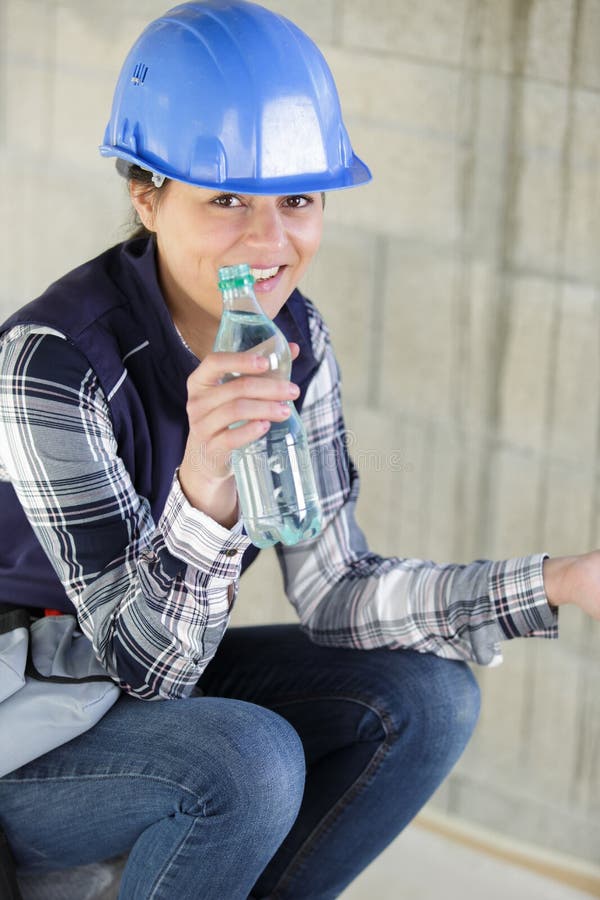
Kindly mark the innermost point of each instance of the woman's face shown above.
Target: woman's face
(199, 230)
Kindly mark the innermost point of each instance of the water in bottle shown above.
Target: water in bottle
(274, 475)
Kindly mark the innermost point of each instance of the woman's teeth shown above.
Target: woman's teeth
(262, 274)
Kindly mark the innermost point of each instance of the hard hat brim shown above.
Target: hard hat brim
(355, 174)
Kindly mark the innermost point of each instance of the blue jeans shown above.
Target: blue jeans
(295, 769)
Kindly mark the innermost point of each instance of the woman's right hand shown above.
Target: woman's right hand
(213, 405)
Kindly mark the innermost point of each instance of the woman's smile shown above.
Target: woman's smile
(200, 230)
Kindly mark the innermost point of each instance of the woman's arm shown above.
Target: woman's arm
(348, 596)
(154, 598)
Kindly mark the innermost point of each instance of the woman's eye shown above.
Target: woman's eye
(227, 201)
(297, 201)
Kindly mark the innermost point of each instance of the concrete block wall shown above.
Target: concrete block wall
(462, 290)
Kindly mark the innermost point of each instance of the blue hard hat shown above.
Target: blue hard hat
(226, 94)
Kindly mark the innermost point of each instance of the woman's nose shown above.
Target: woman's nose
(266, 227)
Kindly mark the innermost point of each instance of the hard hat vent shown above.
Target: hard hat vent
(139, 73)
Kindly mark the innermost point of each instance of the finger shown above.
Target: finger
(217, 365)
(233, 438)
(214, 455)
(254, 388)
(222, 417)
(203, 399)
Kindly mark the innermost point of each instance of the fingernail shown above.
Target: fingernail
(285, 407)
(261, 362)
(293, 390)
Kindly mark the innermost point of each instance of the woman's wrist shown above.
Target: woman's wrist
(216, 497)
(555, 570)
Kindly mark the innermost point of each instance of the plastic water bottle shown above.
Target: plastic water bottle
(274, 475)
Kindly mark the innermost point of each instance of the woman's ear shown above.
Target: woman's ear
(144, 202)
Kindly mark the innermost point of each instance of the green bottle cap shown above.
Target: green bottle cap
(235, 276)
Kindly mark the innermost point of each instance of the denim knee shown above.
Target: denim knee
(445, 706)
(432, 702)
(259, 779)
(454, 698)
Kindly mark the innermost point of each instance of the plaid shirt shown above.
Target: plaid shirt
(161, 603)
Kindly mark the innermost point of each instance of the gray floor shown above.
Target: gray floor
(421, 865)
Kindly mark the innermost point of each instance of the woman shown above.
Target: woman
(286, 758)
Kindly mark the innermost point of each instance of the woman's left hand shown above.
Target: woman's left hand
(575, 580)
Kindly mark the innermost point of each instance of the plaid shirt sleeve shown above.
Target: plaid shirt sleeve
(347, 596)
(154, 599)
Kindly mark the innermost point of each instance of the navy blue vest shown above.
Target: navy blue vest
(108, 308)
